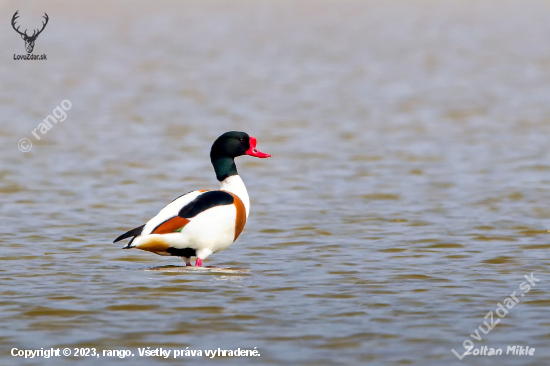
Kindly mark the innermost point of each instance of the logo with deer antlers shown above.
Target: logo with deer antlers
(29, 40)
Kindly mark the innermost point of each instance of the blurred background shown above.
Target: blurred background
(407, 194)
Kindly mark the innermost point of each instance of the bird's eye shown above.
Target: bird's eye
(241, 139)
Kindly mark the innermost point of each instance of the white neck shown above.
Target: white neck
(235, 185)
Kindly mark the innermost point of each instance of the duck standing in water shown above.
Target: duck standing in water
(203, 222)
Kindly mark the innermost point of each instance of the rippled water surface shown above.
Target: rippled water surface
(408, 193)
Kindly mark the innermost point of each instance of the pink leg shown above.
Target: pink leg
(198, 263)
(188, 264)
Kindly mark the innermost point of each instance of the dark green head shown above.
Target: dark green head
(227, 147)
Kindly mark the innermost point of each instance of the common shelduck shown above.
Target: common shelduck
(203, 222)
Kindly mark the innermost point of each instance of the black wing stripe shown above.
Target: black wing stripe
(134, 232)
(204, 202)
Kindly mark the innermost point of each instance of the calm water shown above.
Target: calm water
(407, 195)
